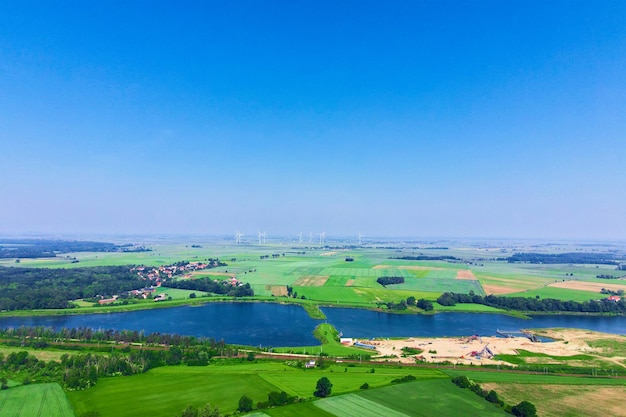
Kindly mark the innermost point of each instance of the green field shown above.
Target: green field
(168, 390)
(324, 276)
(425, 398)
(40, 400)
(560, 294)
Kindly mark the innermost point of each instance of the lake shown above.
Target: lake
(269, 324)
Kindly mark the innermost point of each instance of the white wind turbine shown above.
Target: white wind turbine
(322, 237)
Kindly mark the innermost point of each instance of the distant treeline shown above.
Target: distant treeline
(83, 370)
(41, 288)
(566, 258)
(42, 248)
(427, 258)
(384, 281)
(533, 304)
(208, 285)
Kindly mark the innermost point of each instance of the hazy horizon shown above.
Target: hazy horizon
(413, 119)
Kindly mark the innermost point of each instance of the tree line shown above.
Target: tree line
(565, 258)
(533, 303)
(43, 288)
(82, 369)
(209, 285)
(45, 248)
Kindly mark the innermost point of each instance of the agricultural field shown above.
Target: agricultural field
(37, 400)
(325, 276)
(424, 398)
(168, 390)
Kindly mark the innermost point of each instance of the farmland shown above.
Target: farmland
(41, 400)
(347, 276)
(167, 391)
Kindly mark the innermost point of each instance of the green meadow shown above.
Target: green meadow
(168, 390)
(37, 400)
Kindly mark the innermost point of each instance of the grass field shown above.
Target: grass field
(565, 400)
(168, 390)
(484, 376)
(353, 405)
(324, 276)
(37, 400)
(559, 294)
(432, 398)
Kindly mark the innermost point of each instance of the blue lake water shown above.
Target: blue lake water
(364, 323)
(288, 325)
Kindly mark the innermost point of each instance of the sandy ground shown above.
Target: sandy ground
(588, 286)
(459, 350)
(328, 253)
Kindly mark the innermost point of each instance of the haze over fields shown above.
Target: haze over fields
(486, 119)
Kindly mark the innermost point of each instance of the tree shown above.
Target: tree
(208, 411)
(410, 301)
(190, 411)
(323, 387)
(245, 404)
(425, 304)
(492, 397)
(524, 409)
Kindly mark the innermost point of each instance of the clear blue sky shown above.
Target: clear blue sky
(396, 118)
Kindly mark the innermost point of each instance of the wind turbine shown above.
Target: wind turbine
(310, 237)
(360, 237)
(238, 237)
(300, 236)
(322, 236)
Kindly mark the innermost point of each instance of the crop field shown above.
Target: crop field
(167, 391)
(484, 376)
(440, 285)
(353, 405)
(433, 398)
(559, 294)
(565, 400)
(178, 294)
(323, 275)
(307, 409)
(311, 281)
(37, 400)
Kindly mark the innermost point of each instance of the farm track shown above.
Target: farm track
(6, 397)
(42, 402)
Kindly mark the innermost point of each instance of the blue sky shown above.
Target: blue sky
(401, 118)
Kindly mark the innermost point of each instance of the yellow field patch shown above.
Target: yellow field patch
(498, 289)
(465, 274)
(587, 286)
(311, 281)
(279, 290)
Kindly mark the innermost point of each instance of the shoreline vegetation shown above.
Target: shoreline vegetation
(311, 307)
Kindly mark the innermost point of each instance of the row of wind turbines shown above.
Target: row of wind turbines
(262, 236)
